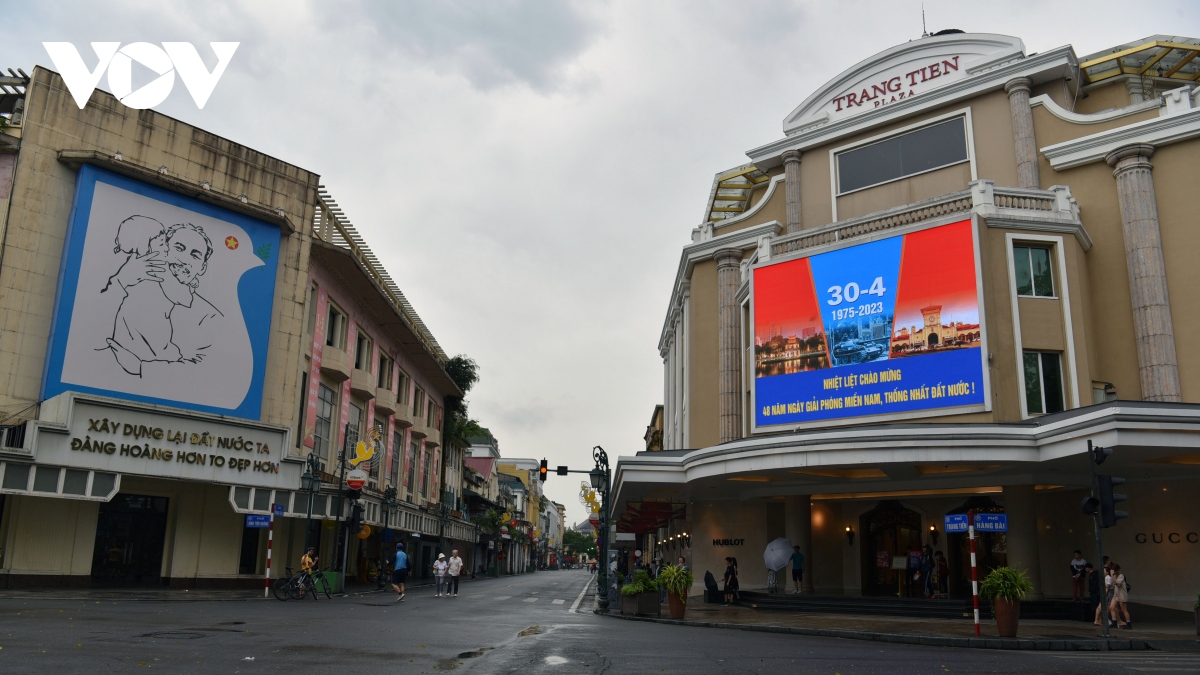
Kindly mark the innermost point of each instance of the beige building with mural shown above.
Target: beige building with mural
(959, 264)
(184, 321)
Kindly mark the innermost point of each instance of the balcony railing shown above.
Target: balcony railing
(1018, 208)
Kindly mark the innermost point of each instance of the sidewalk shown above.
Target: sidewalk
(1033, 634)
(190, 595)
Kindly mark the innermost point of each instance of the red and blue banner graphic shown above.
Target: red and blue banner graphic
(889, 326)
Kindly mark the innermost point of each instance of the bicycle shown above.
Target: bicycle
(296, 586)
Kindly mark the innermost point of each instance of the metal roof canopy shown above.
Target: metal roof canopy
(1165, 57)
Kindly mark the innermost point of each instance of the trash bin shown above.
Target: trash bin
(334, 579)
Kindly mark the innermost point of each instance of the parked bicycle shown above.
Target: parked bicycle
(302, 585)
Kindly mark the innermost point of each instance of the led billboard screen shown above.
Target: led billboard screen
(889, 326)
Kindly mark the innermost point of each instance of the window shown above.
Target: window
(362, 352)
(1032, 267)
(385, 372)
(430, 414)
(312, 309)
(419, 403)
(303, 407)
(335, 328)
(323, 432)
(427, 472)
(1043, 383)
(918, 151)
(377, 461)
(405, 386)
(248, 560)
(397, 453)
(354, 426)
(413, 448)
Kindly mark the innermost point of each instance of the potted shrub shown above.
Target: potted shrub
(1006, 587)
(678, 580)
(640, 595)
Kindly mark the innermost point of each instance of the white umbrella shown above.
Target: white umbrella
(778, 553)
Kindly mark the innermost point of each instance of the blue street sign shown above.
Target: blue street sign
(278, 510)
(956, 522)
(258, 521)
(991, 522)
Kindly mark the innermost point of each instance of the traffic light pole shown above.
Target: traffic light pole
(1099, 545)
(601, 458)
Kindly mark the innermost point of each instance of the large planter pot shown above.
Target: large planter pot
(629, 604)
(1007, 612)
(676, 605)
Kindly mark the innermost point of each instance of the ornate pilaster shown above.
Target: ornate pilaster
(1152, 325)
(791, 189)
(729, 278)
(1022, 122)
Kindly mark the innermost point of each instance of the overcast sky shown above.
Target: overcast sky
(527, 170)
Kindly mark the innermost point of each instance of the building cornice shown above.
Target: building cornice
(1062, 113)
(991, 78)
(1125, 423)
(1180, 122)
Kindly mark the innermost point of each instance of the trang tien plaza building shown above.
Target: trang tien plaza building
(959, 264)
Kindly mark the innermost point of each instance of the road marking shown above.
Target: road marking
(557, 602)
(531, 599)
(583, 592)
(503, 597)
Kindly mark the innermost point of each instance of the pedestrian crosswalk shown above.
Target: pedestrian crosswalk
(557, 602)
(1139, 662)
(531, 599)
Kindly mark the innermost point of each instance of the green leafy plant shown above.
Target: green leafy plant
(639, 583)
(1007, 583)
(677, 579)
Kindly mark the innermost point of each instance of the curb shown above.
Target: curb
(1015, 644)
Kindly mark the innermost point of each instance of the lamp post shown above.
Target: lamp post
(389, 504)
(600, 481)
(310, 482)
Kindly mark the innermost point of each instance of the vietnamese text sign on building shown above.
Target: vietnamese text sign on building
(887, 327)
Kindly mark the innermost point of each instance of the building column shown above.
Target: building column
(729, 278)
(1153, 329)
(1022, 534)
(1133, 84)
(797, 522)
(1022, 122)
(791, 189)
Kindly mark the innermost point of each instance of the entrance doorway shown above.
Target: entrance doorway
(889, 531)
(130, 533)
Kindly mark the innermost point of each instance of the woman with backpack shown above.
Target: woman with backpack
(1118, 605)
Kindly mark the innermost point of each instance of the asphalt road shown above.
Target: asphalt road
(513, 625)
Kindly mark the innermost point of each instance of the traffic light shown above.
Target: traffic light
(1100, 454)
(562, 470)
(1091, 505)
(354, 522)
(1108, 499)
(542, 471)
(352, 494)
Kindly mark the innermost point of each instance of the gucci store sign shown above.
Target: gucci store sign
(137, 439)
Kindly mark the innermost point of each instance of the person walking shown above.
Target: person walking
(454, 568)
(439, 573)
(797, 569)
(1118, 605)
(1078, 564)
(399, 572)
(928, 565)
(656, 569)
(1108, 590)
(943, 573)
(682, 563)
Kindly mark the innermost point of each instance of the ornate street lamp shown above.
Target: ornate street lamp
(600, 480)
(388, 504)
(310, 482)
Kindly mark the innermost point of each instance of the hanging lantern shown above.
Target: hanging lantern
(504, 529)
(594, 519)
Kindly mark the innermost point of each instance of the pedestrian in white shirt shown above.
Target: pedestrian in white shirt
(439, 573)
(454, 568)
